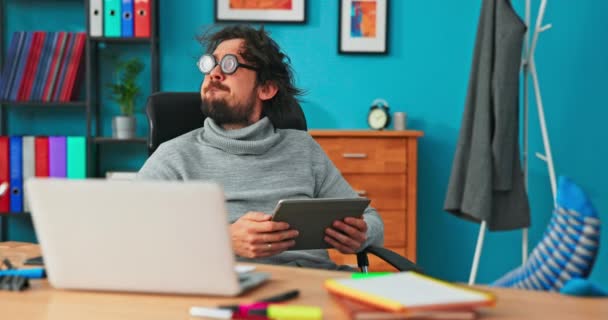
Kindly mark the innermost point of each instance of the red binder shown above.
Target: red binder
(142, 18)
(41, 151)
(4, 174)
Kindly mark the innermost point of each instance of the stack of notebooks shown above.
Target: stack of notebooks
(43, 66)
(22, 157)
(406, 295)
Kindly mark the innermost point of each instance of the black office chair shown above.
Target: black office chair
(171, 114)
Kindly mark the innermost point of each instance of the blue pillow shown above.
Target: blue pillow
(568, 248)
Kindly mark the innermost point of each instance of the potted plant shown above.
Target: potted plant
(125, 92)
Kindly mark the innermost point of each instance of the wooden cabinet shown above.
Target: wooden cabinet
(381, 166)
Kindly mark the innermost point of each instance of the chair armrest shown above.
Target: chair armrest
(394, 259)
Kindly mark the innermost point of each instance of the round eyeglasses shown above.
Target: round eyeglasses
(229, 64)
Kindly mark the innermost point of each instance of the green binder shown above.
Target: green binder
(111, 18)
(77, 158)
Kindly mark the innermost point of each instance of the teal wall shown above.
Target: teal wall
(426, 75)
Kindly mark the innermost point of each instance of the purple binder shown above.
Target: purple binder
(57, 157)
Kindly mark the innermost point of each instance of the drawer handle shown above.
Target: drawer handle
(361, 193)
(355, 155)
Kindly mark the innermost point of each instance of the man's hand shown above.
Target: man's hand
(255, 236)
(347, 236)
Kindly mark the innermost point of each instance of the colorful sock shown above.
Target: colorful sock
(568, 248)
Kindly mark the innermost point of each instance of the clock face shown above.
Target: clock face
(378, 118)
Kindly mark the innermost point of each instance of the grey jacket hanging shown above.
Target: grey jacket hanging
(486, 182)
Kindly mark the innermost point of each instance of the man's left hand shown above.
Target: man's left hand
(347, 236)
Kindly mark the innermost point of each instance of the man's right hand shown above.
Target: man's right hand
(254, 235)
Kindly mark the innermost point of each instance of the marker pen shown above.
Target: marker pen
(241, 311)
(33, 273)
(289, 312)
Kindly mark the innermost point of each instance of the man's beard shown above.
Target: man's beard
(223, 113)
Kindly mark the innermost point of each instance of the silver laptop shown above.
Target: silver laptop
(143, 236)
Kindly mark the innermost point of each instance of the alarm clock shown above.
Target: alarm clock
(379, 117)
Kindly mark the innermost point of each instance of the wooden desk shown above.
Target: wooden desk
(43, 302)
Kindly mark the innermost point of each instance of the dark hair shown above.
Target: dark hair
(264, 53)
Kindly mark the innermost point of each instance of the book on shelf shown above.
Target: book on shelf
(43, 66)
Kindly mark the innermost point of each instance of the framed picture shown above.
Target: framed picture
(285, 11)
(363, 26)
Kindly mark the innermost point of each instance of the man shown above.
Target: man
(246, 74)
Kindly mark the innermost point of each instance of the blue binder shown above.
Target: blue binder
(16, 167)
(127, 19)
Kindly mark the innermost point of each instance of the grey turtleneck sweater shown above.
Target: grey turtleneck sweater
(257, 166)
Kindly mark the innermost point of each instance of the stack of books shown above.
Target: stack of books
(406, 295)
(43, 66)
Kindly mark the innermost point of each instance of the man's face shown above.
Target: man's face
(231, 99)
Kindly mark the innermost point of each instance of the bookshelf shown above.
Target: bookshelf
(94, 118)
(92, 100)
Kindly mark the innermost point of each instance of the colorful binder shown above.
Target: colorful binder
(96, 18)
(142, 18)
(127, 18)
(57, 157)
(28, 166)
(41, 145)
(5, 173)
(111, 18)
(77, 158)
(16, 174)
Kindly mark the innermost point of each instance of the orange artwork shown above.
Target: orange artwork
(261, 4)
(363, 19)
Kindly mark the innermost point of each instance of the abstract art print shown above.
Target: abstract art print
(289, 11)
(363, 26)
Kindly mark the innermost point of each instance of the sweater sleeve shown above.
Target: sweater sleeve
(158, 166)
(331, 184)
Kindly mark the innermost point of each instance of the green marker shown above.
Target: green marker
(288, 312)
(358, 275)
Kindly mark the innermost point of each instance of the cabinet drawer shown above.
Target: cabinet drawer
(375, 263)
(387, 191)
(365, 155)
(395, 227)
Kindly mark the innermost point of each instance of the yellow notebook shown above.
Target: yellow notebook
(409, 292)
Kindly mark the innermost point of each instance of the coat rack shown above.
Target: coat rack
(528, 68)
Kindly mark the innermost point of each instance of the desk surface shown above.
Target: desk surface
(43, 302)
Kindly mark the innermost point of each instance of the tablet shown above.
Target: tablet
(312, 216)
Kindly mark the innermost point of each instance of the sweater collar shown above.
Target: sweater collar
(254, 139)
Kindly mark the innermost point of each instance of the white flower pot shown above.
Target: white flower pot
(123, 127)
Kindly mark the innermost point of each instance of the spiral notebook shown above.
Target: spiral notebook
(409, 292)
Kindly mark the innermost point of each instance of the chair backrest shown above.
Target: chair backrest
(171, 114)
